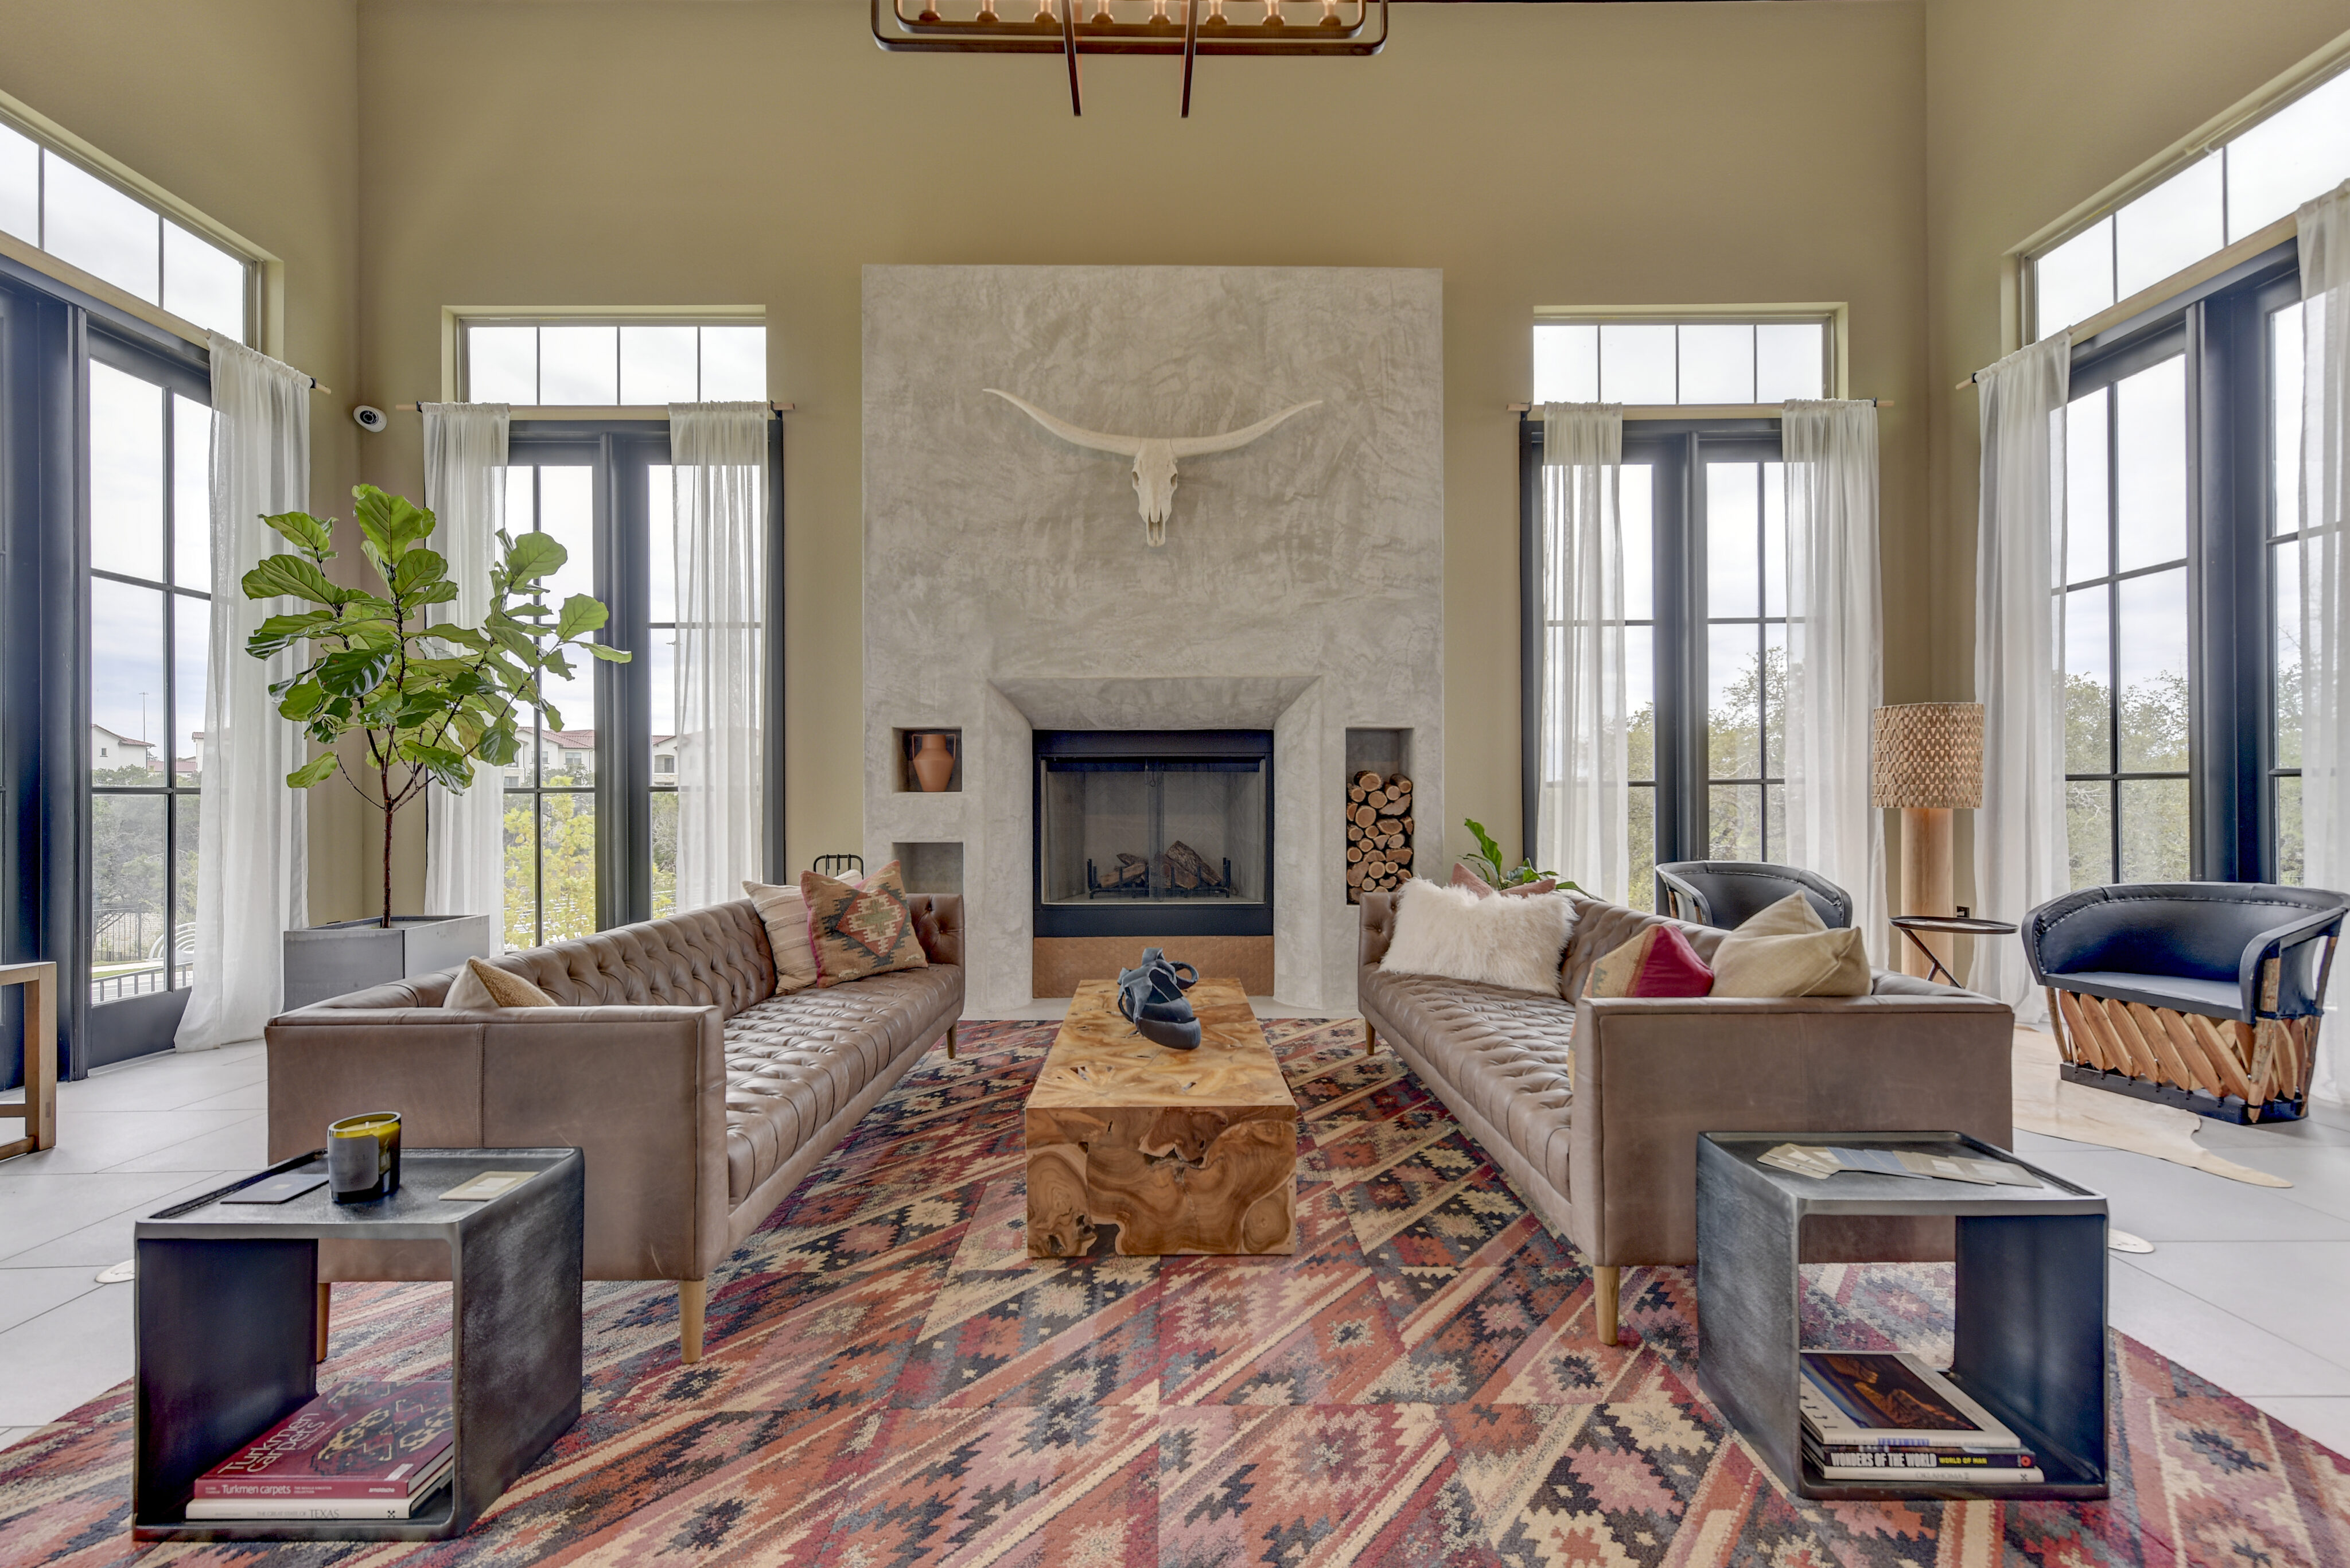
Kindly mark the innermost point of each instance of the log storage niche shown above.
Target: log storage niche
(1378, 833)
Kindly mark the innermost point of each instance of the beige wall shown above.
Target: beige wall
(246, 110)
(2033, 106)
(584, 154)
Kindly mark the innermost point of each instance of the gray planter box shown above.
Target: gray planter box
(352, 955)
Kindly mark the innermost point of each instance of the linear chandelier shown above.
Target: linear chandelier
(1187, 27)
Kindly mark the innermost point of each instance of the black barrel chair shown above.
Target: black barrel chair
(1725, 893)
(2205, 995)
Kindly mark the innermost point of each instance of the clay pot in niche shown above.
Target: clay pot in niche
(933, 764)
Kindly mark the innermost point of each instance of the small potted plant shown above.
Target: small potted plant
(418, 702)
(1487, 863)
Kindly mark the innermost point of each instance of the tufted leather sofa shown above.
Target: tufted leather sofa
(701, 1097)
(1592, 1108)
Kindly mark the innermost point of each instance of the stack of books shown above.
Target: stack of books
(1878, 1416)
(368, 1450)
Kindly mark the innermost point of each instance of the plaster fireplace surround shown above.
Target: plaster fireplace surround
(1010, 588)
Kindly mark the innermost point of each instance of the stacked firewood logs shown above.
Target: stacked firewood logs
(1378, 833)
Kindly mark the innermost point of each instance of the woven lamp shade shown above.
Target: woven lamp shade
(1927, 754)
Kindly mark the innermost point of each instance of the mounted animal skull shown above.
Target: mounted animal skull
(1154, 456)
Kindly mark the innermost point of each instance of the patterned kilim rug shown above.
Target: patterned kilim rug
(891, 1381)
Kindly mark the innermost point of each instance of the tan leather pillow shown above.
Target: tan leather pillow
(861, 928)
(480, 985)
(784, 910)
(1787, 950)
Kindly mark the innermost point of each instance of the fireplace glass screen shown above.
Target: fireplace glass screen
(1190, 832)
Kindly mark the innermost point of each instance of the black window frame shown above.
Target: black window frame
(1677, 451)
(2220, 327)
(622, 453)
(49, 332)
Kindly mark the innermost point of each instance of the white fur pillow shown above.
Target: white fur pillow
(1453, 932)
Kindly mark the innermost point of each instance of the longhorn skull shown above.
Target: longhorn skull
(1154, 456)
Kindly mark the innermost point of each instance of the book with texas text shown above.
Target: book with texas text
(364, 1441)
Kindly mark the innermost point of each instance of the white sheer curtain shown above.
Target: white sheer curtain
(2021, 855)
(465, 847)
(252, 838)
(1583, 827)
(2325, 579)
(720, 453)
(1835, 657)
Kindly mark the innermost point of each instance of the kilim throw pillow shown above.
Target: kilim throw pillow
(861, 928)
(1659, 961)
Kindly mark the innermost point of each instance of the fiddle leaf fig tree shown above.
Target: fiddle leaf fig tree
(425, 699)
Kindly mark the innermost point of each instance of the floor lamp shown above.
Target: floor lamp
(1925, 758)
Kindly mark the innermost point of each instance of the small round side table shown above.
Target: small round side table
(1959, 925)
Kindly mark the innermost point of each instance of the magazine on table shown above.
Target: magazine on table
(1856, 1399)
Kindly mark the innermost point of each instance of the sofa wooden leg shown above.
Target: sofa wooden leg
(693, 1296)
(950, 1042)
(1607, 1281)
(325, 1299)
(1370, 1038)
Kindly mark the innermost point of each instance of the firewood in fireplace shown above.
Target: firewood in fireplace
(1368, 781)
(1131, 871)
(1184, 868)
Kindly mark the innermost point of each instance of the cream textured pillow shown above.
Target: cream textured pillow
(480, 985)
(1787, 950)
(1451, 932)
(785, 912)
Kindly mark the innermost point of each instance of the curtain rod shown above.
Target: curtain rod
(588, 410)
(1703, 411)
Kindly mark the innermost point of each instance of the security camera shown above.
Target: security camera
(371, 418)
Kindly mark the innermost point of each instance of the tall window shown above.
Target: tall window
(55, 205)
(660, 670)
(1745, 660)
(150, 586)
(551, 858)
(2260, 175)
(2283, 558)
(1705, 642)
(613, 363)
(2126, 669)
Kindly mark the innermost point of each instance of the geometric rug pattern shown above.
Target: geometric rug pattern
(891, 1381)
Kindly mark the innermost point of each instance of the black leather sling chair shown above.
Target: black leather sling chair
(1725, 893)
(2205, 995)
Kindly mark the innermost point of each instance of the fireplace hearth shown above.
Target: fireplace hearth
(1154, 833)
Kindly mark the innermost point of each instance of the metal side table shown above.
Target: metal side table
(2030, 1332)
(227, 1325)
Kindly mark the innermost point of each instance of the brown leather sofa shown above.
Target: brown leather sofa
(1592, 1108)
(701, 1097)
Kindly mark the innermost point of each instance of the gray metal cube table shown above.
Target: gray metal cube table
(2031, 1330)
(227, 1325)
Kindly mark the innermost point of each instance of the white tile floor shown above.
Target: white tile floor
(2246, 1285)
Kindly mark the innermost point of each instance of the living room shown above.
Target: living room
(790, 564)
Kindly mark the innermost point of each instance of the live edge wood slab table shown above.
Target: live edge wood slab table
(1171, 1151)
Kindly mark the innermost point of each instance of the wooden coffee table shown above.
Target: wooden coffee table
(1180, 1151)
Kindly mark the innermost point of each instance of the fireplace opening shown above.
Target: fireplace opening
(1154, 833)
